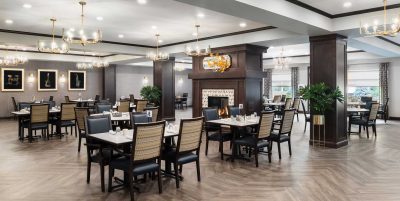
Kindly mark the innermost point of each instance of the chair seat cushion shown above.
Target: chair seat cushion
(35, 126)
(138, 169)
(361, 122)
(182, 159)
(67, 123)
(250, 141)
(281, 138)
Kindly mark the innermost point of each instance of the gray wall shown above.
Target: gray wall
(94, 85)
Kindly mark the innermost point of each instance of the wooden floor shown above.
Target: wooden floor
(367, 169)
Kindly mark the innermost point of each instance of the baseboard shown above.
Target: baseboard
(395, 118)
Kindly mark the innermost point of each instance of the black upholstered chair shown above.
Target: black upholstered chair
(261, 138)
(103, 107)
(145, 156)
(184, 99)
(139, 117)
(51, 103)
(24, 105)
(295, 106)
(39, 120)
(51, 98)
(367, 121)
(234, 111)
(384, 110)
(307, 118)
(213, 132)
(80, 115)
(188, 147)
(96, 152)
(284, 132)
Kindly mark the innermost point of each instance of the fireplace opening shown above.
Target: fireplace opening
(221, 103)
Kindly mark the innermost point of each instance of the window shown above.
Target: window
(281, 83)
(363, 81)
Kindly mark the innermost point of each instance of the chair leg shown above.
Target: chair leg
(305, 127)
(131, 186)
(297, 117)
(159, 180)
(89, 165)
(180, 169)
(206, 144)
(198, 170)
(290, 147)
(176, 174)
(110, 176)
(221, 149)
(374, 129)
(367, 131)
(270, 152)
(79, 143)
(76, 132)
(102, 177)
(256, 155)
(279, 150)
(359, 129)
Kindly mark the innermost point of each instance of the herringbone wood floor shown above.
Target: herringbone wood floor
(367, 169)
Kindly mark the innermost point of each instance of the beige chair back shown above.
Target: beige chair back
(266, 123)
(154, 113)
(68, 111)
(287, 122)
(141, 105)
(190, 134)
(288, 103)
(80, 114)
(373, 112)
(147, 141)
(39, 113)
(296, 103)
(277, 99)
(124, 106)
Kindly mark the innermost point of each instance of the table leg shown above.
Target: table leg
(20, 137)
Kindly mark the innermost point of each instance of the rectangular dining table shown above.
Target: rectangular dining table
(236, 126)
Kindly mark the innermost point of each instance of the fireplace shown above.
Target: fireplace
(221, 103)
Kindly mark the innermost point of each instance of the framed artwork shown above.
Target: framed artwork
(12, 79)
(76, 80)
(47, 80)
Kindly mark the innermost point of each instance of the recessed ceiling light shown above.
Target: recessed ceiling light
(200, 15)
(154, 27)
(194, 34)
(120, 35)
(27, 6)
(99, 18)
(72, 29)
(9, 21)
(347, 4)
(142, 2)
(242, 24)
(160, 41)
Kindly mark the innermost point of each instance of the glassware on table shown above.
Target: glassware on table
(118, 129)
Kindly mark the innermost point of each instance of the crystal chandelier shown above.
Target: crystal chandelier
(12, 60)
(219, 63)
(82, 38)
(376, 28)
(84, 65)
(281, 62)
(196, 51)
(100, 63)
(157, 56)
(53, 45)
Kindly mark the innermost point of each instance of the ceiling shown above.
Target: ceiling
(174, 20)
(335, 7)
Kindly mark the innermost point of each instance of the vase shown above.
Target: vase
(319, 120)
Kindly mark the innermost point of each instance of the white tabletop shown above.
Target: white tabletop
(233, 122)
(26, 112)
(120, 138)
(83, 100)
(357, 110)
(274, 104)
(355, 103)
(125, 116)
(131, 105)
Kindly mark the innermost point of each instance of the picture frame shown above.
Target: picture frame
(12, 79)
(76, 80)
(47, 80)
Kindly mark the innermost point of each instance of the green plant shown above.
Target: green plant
(152, 94)
(322, 97)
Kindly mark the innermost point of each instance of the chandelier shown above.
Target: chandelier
(376, 28)
(219, 63)
(196, 51)
(53, 46)
(100, 63)
(84, 65)
(12, 60)
(281, 62)
(157, 56)
(82, 37)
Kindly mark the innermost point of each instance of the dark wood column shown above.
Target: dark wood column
(164, 79)
(109, 83)
(328, 59)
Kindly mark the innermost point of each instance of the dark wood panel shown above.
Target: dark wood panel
(164, 78)
(110, 83)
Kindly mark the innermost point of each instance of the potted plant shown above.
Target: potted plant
(152, 94)
(322, 98)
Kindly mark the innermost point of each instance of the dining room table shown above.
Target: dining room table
(83, 102)
(236, 124)
(350, 113)
(24, 115)
(131, 106)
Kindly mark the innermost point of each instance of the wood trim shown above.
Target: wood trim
(389, 41)
(70, 54)
(332, 16)
(306, 55)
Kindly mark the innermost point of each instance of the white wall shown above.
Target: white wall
(185, 86)
(394, 88)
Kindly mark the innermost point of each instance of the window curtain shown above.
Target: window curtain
(268, 83)
(383, 82)
(295, 81)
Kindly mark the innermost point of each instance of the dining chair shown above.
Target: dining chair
(295, 106)
(131, 98)
(67, 118)
(51, 103)
(139, 117)
(154, 113)
(276, 99)
(234, 111)
(141, 105)
(283, 98)
(96, 152)
(287, 106)
(284, 132)
(102, 107)
(184, 99)
(80, 115)
(214, 132)
(145, 155)
(384, 110)
(39, 120)
(260, 139)
(178, 102)
(97, 98)
(67, 100)
(51, 98)
(367, 121)
(14, 104)
(307, 118)
(188, 147)
(123, 106)
(24, 105)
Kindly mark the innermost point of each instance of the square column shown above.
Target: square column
(164, 79)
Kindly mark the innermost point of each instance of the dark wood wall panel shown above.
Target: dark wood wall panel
(110, 83)
(164, 78)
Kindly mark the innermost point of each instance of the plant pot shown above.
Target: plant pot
(319, 120)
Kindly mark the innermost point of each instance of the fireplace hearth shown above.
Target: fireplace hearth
(220, 103)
